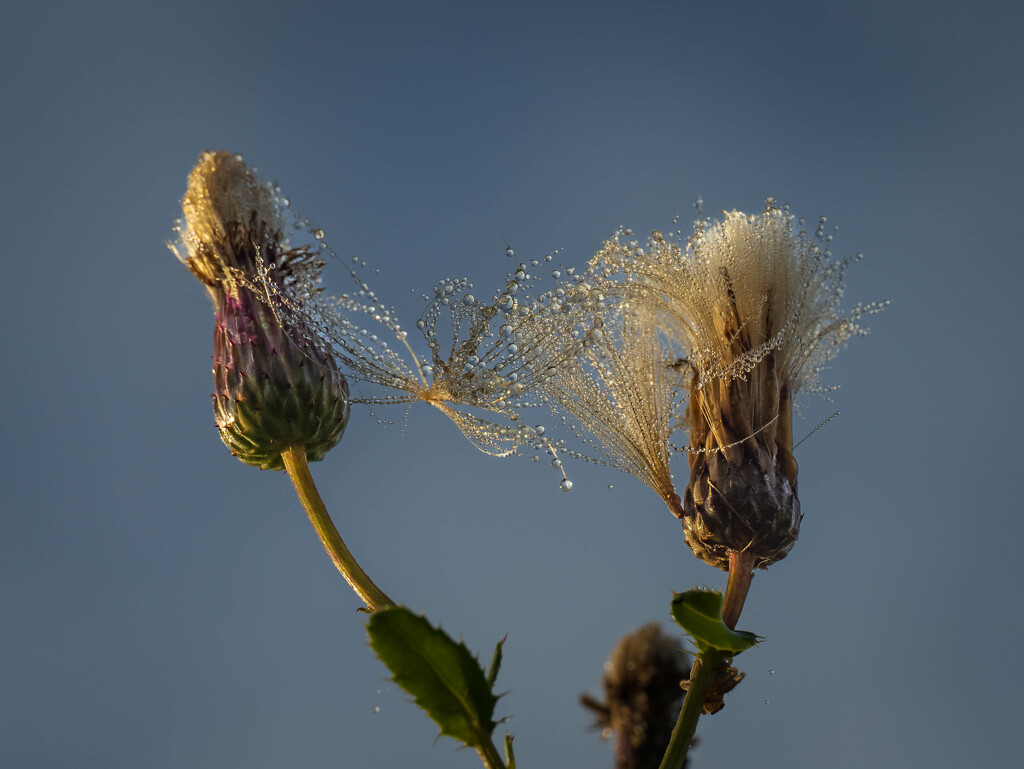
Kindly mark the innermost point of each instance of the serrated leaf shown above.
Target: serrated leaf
(441, 674)
(492, 670)
(699, 613)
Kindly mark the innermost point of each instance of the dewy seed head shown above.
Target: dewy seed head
(226, 201)
(276, 383)
(755, 309)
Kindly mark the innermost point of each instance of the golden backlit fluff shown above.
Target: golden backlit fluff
(620, 393)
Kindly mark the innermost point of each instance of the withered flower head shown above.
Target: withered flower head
(755, 308)
(276, 383)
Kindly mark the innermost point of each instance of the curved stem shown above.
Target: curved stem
(298, 470)
(741, 574)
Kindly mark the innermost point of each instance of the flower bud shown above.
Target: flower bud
(274, 389)
(276, 383)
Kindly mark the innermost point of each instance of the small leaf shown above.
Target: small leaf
(510, 756)
(699, 613)
(492, 671)
(441, 675)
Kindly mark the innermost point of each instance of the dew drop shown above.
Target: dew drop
(556, 463)
(767, 701)
(421, 324)
(376, 708)
(565, 484)
(539, 429)
(556, 274)
(318, 234)
(771, 672)
(509, 252)
(610, 487)
(468, 300)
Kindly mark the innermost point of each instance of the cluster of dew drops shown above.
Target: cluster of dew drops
(558, 274)
(520, 274)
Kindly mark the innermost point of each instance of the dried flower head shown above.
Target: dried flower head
(755, 309)
(276, 385)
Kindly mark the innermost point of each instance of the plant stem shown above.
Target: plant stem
(741, 574)
(298, 470)
(686, 726)
(489, 754)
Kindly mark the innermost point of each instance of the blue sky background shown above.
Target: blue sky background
(163, 606)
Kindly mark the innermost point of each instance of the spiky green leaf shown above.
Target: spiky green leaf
(492, 670)
(442, 676)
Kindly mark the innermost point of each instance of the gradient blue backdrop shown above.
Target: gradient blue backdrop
(163, 606)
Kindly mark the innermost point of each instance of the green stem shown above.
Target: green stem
(741, 574)
(686, 726)
(298, 470)
(489, 754)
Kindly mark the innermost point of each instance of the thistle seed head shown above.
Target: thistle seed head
(276, 383)
(754, 308)
(228, 212)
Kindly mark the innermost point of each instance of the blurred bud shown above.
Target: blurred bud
(276, 385)
(642, 696)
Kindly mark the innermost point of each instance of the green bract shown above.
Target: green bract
(699, 613)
